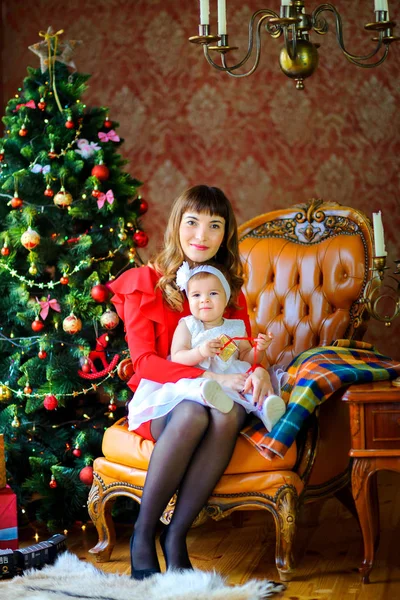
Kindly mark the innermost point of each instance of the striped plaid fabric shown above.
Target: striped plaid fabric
(313, 376)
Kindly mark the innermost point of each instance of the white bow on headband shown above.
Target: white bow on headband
(184, 273)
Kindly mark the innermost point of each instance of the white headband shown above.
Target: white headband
(184, 273)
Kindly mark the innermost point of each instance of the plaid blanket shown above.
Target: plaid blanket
(313, 376)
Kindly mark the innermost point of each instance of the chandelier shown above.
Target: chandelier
(299, 55)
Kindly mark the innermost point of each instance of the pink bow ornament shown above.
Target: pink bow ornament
(85, 148)
(30, 104)
(108, 196)
(111, 136)
(39, 169)
(45, 305)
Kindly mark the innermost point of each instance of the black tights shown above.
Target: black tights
(194, 446)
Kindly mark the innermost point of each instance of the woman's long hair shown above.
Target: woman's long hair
(204, 200)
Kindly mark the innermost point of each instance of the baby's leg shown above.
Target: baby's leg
(270, 413)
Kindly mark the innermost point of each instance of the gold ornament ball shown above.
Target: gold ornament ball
(72, 324)
(5, 393)
(304, 63)
(109, 319)
(122, 236)
(62, 199)
(15, 422)
(30, 239)
(32, 269)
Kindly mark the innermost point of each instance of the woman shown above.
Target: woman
(194, 444)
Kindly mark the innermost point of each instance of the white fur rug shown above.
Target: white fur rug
(71, 579)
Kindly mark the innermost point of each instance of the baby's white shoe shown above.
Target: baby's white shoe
(273, 409)
(214, 396)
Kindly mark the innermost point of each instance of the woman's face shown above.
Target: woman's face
(201, 235)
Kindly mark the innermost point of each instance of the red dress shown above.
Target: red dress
(149, 326)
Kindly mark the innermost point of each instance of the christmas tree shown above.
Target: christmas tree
(69, 223)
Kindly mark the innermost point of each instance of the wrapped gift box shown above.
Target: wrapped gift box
(8, 519)
(2, 463)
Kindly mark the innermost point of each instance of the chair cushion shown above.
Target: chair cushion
(124, 447)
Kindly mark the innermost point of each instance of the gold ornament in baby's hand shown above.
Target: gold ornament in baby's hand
(229, 349)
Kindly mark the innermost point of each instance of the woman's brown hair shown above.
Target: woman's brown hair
(204, 200)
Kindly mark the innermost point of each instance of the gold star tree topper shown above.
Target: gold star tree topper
(50, 52)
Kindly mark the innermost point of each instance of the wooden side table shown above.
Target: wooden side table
(375, 445)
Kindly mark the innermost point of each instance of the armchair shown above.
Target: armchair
(306, 269)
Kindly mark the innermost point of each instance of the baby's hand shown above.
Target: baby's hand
(211, 348)
(263, 340)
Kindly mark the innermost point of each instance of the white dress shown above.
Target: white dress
(153, 400)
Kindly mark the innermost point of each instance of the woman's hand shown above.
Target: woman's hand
(259, 384)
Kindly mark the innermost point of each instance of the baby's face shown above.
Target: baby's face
(207, 299)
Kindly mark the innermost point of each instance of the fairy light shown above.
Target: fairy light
(36, 536)
(83, 527)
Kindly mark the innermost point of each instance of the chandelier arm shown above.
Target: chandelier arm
(369, 65)
(291, 51)
(339, 32)
(258, 53)
(266, 13)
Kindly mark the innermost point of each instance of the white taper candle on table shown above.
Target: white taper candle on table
(378, 234)
(221, 17)
(204, 12)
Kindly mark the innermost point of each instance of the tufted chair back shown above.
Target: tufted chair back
(306, 269)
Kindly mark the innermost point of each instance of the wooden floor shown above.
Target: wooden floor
(328, 550)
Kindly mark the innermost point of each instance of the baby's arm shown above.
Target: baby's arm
(255, 354)
(182, 352)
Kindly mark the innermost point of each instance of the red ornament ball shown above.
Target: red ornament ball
(53, 482)
(16, 202)
(37, 325)
(85, 367)
(108, 123)
(109, 319)
(50, 402)
(5, 251)
(72, 324)
(101, 172)
(48, 192)
(69, 124)
(77, 452)
(42, 104)
(23, 131)
(1, 156)
(42, 354)
(52, 154)
(27, 390)
(64, 280)
(100, 293)
(86, 475)
(96, 193)
(140, 238)
(143, 207)
(112, 407)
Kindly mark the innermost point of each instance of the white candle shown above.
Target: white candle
(381, 5)
(378, 234)
(221, 17)
(204, 12)
(286, 2)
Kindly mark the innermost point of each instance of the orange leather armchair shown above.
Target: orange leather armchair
(306, 269)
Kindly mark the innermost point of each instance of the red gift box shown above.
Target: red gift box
(8, 519)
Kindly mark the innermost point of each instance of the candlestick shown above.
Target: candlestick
(221, 17)
(286, 2)
(204, 12)
(378, 234)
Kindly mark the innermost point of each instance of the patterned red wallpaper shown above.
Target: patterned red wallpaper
(258, 138)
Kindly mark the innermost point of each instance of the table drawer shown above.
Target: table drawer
(382, 426)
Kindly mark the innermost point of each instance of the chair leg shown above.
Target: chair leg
(285, 524)
(99, 507)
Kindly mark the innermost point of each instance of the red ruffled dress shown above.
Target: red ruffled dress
(149, 327)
